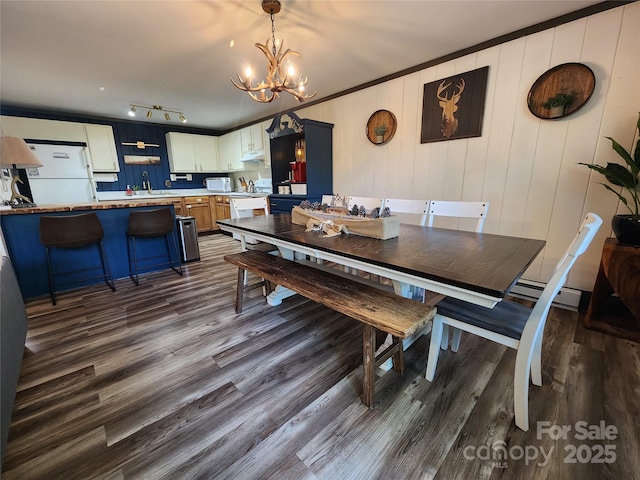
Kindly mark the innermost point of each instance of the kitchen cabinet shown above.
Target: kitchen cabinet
(39, 129)
(222, 206)
(230, 149)
(102, 148)
(200, 209)
(319, 165)
(190, 153)
(252, 141)
(206, 148)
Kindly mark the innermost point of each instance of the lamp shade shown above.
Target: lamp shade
(14, 151)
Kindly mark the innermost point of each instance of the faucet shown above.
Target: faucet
(146, 184)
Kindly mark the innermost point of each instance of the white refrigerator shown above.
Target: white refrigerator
(65, 177)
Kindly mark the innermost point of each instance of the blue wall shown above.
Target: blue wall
(130, 131)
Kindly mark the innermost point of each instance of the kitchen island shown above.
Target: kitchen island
(21, 232)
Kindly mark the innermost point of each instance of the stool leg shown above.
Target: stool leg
(175, 245)
(132, 274)
(51, 287)
(106, 269)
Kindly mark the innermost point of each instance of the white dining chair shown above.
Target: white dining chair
(243, 208)
(442, 208)
(369, 203)
(512, 324)
(410, 208)
(458, 209)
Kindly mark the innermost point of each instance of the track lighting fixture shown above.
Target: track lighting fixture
(150, 109)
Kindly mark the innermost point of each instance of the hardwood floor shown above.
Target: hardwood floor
(164, 380)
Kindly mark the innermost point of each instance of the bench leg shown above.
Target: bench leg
(368, 364)
(240, 290)
(398, 357)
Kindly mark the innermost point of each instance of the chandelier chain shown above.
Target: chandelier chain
(273, 35)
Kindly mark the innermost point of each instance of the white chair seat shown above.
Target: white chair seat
(506, 318)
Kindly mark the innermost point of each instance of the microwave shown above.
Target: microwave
(218, 184)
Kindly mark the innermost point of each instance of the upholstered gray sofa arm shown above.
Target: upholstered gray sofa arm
(13, 334)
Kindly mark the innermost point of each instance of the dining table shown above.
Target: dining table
(480, 268)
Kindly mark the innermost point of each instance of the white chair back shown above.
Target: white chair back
(442, 208)
(580, 243)
(244, 207)
(409, 207)
(368, 202)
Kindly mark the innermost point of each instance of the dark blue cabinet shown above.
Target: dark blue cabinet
(318, 137)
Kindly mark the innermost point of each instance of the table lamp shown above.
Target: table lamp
(14, 154)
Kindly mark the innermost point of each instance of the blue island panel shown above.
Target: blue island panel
(29, 258)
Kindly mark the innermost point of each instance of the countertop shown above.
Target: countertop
(76, 207)
(122, 200)
(186, 192)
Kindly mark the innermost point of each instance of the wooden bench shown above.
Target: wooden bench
(376, 309)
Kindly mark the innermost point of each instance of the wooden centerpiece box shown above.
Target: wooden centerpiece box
(383, 228)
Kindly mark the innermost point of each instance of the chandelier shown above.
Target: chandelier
(151, 108)
(276, 81)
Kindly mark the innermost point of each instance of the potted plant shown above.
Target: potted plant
(626, 227)
(380, 130)
(558, 103)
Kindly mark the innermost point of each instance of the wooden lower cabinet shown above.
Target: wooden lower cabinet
(222, 206)
(200, 209)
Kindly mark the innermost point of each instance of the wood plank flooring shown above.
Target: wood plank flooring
(164, 380)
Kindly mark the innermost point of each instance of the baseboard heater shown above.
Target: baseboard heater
(567, 298)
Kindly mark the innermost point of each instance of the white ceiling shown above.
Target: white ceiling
(58, 54)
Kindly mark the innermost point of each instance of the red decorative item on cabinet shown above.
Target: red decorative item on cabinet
(299, 170)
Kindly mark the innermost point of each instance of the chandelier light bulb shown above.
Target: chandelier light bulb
(248, 73)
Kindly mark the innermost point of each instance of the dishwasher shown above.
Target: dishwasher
(188, 236)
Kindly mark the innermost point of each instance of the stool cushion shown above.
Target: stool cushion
(70, 231)
(150, 223)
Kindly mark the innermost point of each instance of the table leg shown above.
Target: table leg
(368, 364)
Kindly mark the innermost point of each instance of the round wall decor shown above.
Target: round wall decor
(381, 127)
(561, 91)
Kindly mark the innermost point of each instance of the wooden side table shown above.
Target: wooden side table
(620, 274)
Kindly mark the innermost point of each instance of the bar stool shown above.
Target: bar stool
(149, 224)
(74, 232)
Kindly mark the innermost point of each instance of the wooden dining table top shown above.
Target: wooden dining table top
(486, 263)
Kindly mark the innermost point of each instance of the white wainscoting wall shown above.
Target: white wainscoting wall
(525, 167)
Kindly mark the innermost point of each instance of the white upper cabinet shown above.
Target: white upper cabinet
(206, 148)
(102, 148)
(252, 141)
(190, 153)
(231, 152)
